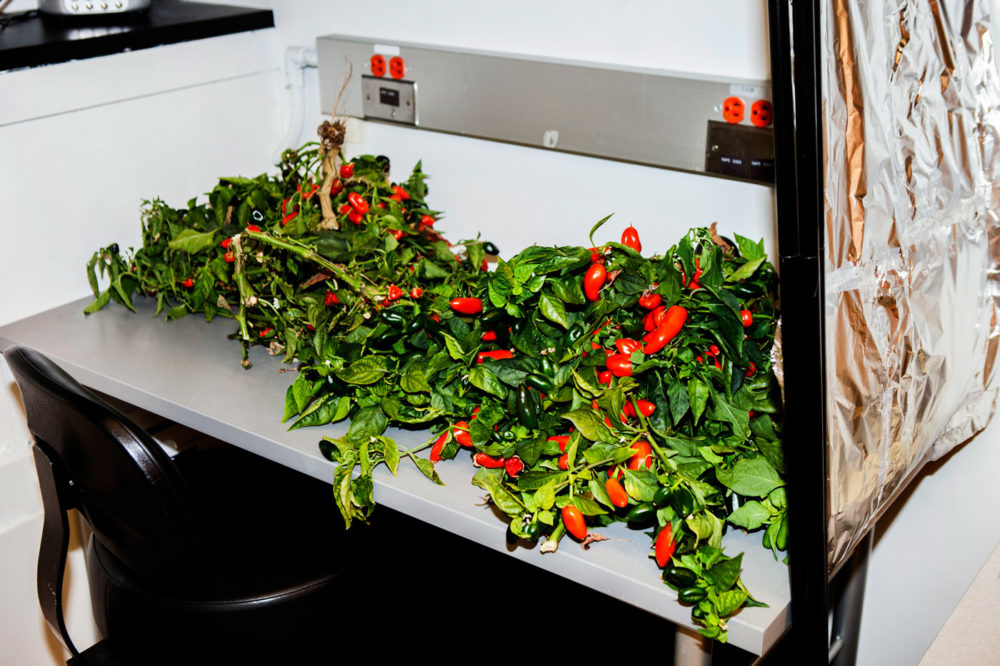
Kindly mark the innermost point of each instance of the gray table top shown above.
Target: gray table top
(188, 371)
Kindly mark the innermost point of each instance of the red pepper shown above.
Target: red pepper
(225, 242)
(253, 227)
(331, 299)
(357, 202)
(697, 274)
(564, 461)
(562, 440)
(604, 377)
(628, 345)
(335, 187)
(469, 306)
(574, 522)
(619, 365)
(751, 370)
(400, 192)
(427, 220)
(489, 336)
(596, 255)
(513, 466)
(629, 411)
(229, 257)
(355, 217)
(264, 332)
(347, 170)
(747, 318)
(345, 208)
(594, 280)
(394, 292)
(495, 355)
(665, 545)
(489, 462)
(616, 493)
(288, 218)
(188, 283)
(673, 321)
(650, 301)
(654, 318)
(461, 434)
(630, 238)
(616, 473)
(713, 350)
(646, 408)
(439, 446)
(416, 292)
(643, 456)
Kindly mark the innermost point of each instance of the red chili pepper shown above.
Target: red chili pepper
(751, 370)
(394, 292)
(461, 434)
(398, 234)
(574, 522)
(646, 408)
(495, 355)
(654, 318)
(288, 218)
(673, 321)
(747, 318)
(489, 462)
(616, 493)
(469, 306)
(331, 299)
(604, 377)
(665, 545)
(345, 209)
(616, 473)
(619, 365)
(564, 461)
(561, 440)
(608, 353)
(355, 217)
(264, 332)
(188, 283)
(427, 220)
(594, 280)
(347, 170)
(643, 456)
(697, 274)
(650, 301)
(475, 410)
(439, 446)
(436, 317)
(596, 255)
(628, 345)
(400, 192)
(629, 411)
(229, 257)
(416, 292)
(253, 227)
(513, 465)
(713, 350)
(489, 336)
(630, 238)
(225, 242)
(335, 187)
(357, 202)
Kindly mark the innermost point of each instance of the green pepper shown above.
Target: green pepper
(697, 613)
(683, 501)
(767, 538)
(385, 338)
(662, 497)
(506, 435)
(394, 317)
(540, 382)
(641, 514)
(492, 319)
(679, 576)
(432, 327)
(744, 290)
(517, 326)
(524, 408)
(416, 324)
(691, 595)
(781, 540)
(490, 248)
(575, 333)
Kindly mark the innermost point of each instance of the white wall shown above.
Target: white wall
(168, 121)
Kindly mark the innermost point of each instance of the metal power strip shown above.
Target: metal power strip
(666, 119)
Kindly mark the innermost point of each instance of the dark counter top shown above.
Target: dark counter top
(31, 40)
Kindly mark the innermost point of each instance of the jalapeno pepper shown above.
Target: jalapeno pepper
(691, 595)
(393, 316)
(679, 577)
(524, 408)
(540, 382)
(490, 248)
(641, 514)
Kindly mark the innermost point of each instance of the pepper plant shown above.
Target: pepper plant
(589, 385)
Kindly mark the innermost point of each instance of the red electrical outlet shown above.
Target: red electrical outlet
(377, 64)
(397, 67)
(760, 113)
(732, 110)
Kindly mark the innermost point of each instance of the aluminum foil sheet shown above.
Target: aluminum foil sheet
(912, 168)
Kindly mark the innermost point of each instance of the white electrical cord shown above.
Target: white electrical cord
(297, 59)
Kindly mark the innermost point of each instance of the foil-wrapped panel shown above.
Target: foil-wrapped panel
(911, 98)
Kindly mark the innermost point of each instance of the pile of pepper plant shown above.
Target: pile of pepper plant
(589, 385)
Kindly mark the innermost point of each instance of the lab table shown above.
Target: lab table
(188, 371)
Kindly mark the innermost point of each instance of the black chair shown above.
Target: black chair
(214, 556)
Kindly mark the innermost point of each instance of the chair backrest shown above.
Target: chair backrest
(126, 487)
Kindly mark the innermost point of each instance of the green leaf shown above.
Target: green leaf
(545, 497)
(426, 468)
(587, 506)
(193, 242)
(553, 310)
(366, 370)
(390, 452)
(746, 270)
(698, 392)
(589, 424)
(750, 250)
(530, 450)
(750, 477)
(641, 484)
(491, 480)
(750, 516)
(98, 302)
(414, 379)
(600, 223)
(535, 480)
(729, 602)
(600, 493)
(368, 422)
(483, 378)
(725, 572)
